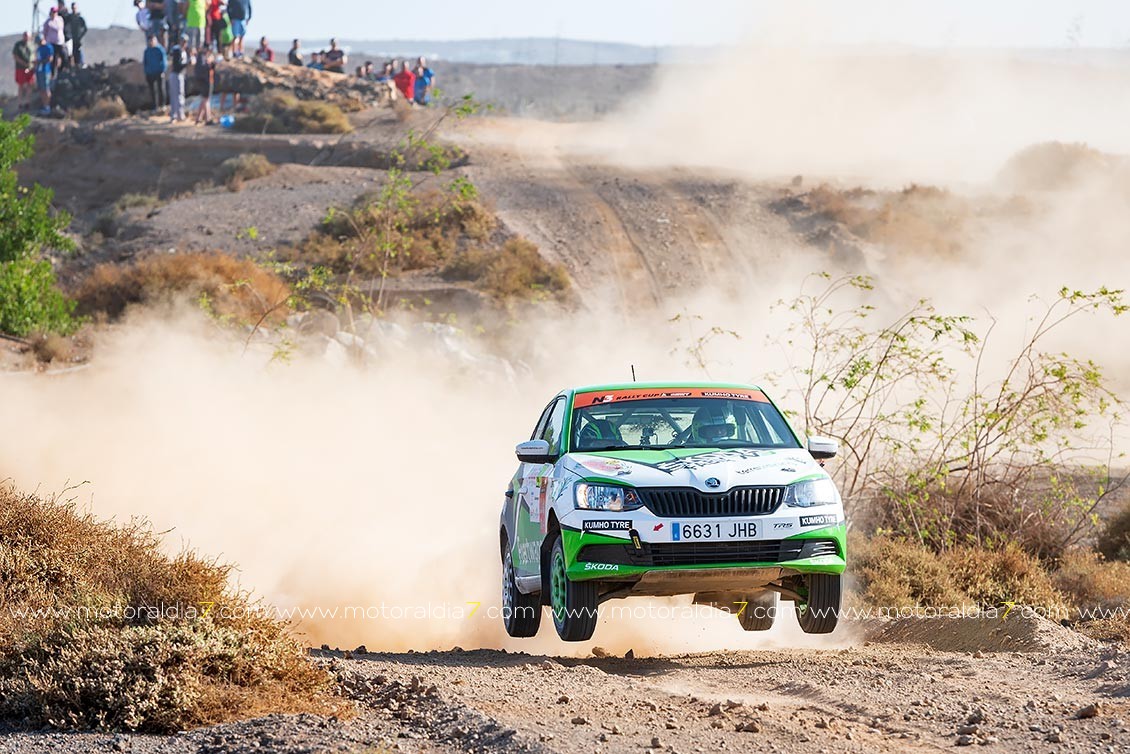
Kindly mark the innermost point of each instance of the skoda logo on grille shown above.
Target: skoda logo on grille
(713, 483)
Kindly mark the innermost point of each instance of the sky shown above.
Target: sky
(929, 23)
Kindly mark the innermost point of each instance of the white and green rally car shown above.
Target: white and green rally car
(665, 489)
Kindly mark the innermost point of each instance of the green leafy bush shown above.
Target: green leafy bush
(30, 300)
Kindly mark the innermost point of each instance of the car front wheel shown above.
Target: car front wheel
(521, 613)
(574, 603)
(820, 610)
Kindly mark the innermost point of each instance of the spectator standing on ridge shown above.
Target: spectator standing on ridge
(178, 63)
(205, 74)
(25, 70)
(316, 61)
(78, 33)
(155, 63)
(294, 57)
(53, 35)
(158, 18)
(239, 11)
(424, 79)
(142, 17)
(335, 59)
(265, 53)
(216, 24)
(44, 72)
(174, 19)
(406, 82)
(194, 21)
(386, 73)
(68, 45)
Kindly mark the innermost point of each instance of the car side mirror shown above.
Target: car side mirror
(534, 451)
(823, 448)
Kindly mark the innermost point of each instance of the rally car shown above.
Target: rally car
(667, 489)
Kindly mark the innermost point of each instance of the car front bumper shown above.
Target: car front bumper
(637, 547)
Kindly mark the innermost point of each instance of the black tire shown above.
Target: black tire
(759, 612)
(573, 603)
(521, 613)
(820, 611)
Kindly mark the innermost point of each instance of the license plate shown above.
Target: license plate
(682, 531)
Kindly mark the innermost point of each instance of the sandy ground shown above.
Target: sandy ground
(1063, 692)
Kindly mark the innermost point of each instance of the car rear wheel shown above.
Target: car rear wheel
(574, 603)
(521, 613)
(820, 610)
(759, 612)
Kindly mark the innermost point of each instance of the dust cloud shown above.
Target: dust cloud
(788, 101)
(333, 488)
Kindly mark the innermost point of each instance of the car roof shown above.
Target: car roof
(660, 386)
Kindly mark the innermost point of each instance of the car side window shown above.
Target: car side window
(553, 429)
(539, 430)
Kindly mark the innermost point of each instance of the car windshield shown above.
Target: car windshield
(695, 418)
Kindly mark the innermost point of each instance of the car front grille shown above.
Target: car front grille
(707, 553)
(687, 502)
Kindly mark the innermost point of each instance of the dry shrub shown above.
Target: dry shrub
(103, 109)
(517, 270)
(1053, 165)
(103, 631)
(1092, 582)
(1008, 574)
(233, 288)
(235, 171)
(425, 235)
(896, 572)
(1114, 539)
(49, 347)
(901, 573)
(922, 218)
(137, 201)
(276, 112)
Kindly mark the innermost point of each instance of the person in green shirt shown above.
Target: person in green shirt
(194, 22)
(25, 70)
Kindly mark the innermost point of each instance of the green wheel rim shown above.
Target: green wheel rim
(557, 586)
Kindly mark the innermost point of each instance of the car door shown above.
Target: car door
(533, 491)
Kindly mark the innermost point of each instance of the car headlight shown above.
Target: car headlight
(811, 493)
(605, 497)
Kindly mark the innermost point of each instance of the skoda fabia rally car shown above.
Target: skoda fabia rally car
(661, 489)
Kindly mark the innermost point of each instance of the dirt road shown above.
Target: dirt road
(891, 693)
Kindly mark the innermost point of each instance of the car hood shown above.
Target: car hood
(733, 467)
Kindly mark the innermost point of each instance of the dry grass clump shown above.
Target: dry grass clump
(235, 171)
(1053, 165)
(917, 218)
(103, 631)
(516, 271)
(1114, 539)
(137, 201)
(232, 288)
(894, 572)
(993, 577)
(1093, 582)
(103, 109)
(276, 112)
(901, 573)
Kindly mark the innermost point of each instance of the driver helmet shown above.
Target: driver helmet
(713, 422)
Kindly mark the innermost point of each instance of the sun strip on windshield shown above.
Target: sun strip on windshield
(599, 397)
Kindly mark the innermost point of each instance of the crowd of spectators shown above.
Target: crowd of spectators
(54, 48)
(187, 38)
